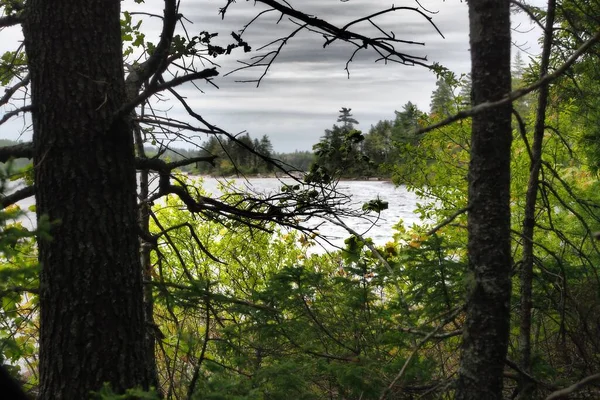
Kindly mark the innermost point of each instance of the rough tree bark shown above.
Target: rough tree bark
(91, 303)
(486, 328)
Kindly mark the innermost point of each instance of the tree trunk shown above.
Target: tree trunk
(526, 387)
(91, 305)
(486, 328)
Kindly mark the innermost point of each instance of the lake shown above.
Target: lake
(401, 205)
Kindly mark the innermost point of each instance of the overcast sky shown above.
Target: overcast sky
(306, 86)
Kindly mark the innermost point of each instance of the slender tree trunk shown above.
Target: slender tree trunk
(526, 276)
(486, 327)
(145, 260)
(91, 303)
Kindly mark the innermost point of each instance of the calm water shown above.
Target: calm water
(401, 206)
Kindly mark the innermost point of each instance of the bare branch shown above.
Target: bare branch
(516, 94)
(158, 165)
(21, 150)
(444, 335)
(447, 221)
(17, 196)
(154, 89)
(14, 113)
(564, 393)
(10, 91)
(384, 45)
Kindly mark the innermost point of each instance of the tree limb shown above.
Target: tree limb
(447, 221)
(156, 62)
(10, 91)
(153, 89)
(10, 20)
(21, 150)
(158, 165)
(332, 32)
(564, 393)
(15, 112)
(444, 335)
(17, 196)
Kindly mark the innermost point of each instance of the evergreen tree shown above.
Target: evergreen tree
(442, 98)
(347, 119)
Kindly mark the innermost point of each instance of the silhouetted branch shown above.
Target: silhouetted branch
(158, 165)
(384, 46)
(14, 113)
(17, 196)
(21, 150)
(154, 89)
(10, 20)
(10, 91)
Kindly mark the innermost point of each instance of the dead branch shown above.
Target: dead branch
(384, 45)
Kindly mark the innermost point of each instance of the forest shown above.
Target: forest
(136, 283)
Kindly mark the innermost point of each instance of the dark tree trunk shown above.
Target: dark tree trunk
(486, 328)
(91, 306)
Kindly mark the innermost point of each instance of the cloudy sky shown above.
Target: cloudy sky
(300, 96)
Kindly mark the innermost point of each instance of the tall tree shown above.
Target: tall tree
(442, 98)
(347, 119)
(486, 327)
(91, 298)
(531, 198)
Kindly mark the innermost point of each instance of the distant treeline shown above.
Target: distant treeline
(342, 152)
(242, 155)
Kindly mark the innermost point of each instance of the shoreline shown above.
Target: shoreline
(278, 176)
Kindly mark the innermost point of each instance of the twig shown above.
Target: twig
(563, 393)
(447, 221)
